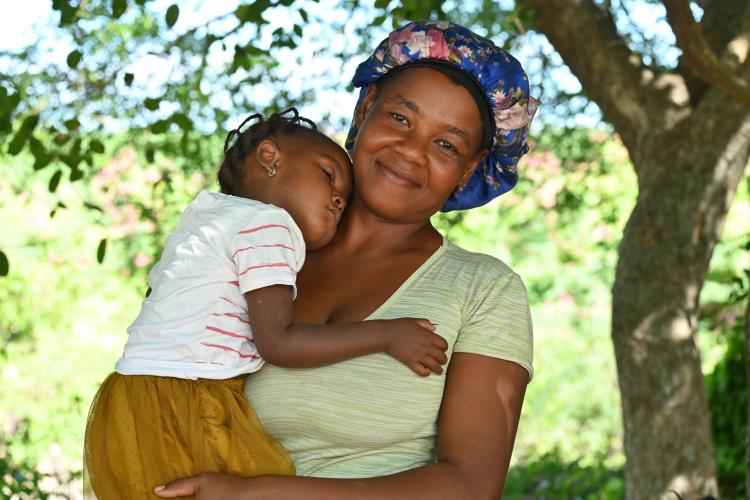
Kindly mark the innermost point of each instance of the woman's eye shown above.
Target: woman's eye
(448, 146)
(328, 173)
(399, 118)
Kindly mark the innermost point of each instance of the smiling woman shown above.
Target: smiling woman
(366, 427)
(419, 139)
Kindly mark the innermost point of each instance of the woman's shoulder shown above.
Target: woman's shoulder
(476, 263)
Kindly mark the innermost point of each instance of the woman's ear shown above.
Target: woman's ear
(268, 155)
(371, 94)
(473, 164)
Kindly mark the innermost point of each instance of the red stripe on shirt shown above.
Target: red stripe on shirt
(260, 228)
(235, 283)
(275, 245)
(228, 333)
(232, 315)
(227, 348)
(275, 264)
(235, 305)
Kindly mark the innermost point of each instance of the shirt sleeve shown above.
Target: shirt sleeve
(498, 321)
(269, 250)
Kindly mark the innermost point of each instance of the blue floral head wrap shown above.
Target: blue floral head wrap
(499, 75)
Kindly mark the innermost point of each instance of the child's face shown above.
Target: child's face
(314, 183)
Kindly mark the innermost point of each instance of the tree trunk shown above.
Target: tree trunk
(686, 187)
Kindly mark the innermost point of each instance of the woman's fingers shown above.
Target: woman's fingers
(186, 487)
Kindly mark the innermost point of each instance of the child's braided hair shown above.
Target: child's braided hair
(285, 123)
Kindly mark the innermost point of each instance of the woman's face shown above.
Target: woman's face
(419, 135)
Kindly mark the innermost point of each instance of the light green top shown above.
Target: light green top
(372, 416)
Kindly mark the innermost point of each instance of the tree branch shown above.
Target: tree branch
(698, 54)
(612, 74)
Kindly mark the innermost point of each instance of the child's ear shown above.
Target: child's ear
(268, 155)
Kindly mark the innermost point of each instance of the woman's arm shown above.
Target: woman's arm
(291, 345)
(477, 427)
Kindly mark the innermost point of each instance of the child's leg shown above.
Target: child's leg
(134, 436)
(231, 438)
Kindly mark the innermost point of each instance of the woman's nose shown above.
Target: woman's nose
(411, 147)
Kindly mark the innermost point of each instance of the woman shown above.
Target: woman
(441, 123)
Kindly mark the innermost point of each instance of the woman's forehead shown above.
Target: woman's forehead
(432, 94)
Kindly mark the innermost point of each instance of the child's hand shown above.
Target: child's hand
(413, 342)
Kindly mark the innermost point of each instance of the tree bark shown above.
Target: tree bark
(664, 255)
(689, 153)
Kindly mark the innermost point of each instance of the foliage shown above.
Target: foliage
(724, 317)
(549, 477)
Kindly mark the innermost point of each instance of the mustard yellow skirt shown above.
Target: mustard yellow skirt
(143, 431)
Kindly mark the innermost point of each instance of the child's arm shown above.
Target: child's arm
(283, 343)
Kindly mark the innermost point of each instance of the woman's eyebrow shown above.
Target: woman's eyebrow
(399, 99)
(458, 131)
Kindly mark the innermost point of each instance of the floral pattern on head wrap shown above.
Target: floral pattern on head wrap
(500, 76)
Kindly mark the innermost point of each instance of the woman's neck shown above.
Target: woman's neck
(363, 231)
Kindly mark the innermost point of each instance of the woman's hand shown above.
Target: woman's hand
(414, 342)
(207, 486)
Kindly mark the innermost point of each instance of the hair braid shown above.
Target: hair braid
(230, 171)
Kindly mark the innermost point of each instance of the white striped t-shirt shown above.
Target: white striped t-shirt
(194, 324)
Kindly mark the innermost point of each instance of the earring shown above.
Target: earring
(460, 187)
(272, 172)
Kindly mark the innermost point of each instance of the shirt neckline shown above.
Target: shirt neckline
(380, 310)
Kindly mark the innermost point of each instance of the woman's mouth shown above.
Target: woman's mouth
(397, 176)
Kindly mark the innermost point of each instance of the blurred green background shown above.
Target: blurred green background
(80, 237)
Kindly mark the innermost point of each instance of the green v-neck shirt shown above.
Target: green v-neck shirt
(372, 416)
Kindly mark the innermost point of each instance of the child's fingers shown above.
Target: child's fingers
(439, 342)
(420, 369)
(439, 356)
(426, 324)
(432, 364)
(186, 487)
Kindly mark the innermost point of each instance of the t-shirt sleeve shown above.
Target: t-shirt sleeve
(498, 321)
(269, 250)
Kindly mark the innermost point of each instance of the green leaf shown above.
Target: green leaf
(4, 264)
(36, 147)
(91, 206)
(382, 4)
(151, 103)
(118, 8)
(101, 250)
(76, 174)
(16, 145)
(54, 181)
(74, 58)
(150, 154)
(72, 124)
(304, 16)
(182, 121)
(30, 123)
(96, 146)
(129, 79)
(10, 103)
(43, 161)
(159, 126)
(298, 30)
(173, 12)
